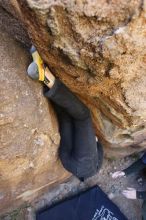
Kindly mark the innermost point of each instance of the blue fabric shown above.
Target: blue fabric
(144, 158)
(90, 205)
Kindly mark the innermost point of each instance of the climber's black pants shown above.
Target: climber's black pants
(78, 149)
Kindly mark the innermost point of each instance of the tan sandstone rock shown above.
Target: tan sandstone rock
(29, 136)
(10, 22)
(98, 49)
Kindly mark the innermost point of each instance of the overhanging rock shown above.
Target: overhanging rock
(97, 48)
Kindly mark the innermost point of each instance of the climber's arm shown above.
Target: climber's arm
(131, 193)
(135, 167)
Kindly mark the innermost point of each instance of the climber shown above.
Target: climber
(131, 193)
(79, 152)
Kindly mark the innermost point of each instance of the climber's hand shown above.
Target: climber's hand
(130, 193)
(118, 174)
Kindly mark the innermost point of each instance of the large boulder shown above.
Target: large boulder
(98, 49)
(29, 162)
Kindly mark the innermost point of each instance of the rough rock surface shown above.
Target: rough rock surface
(10, 22)
(29, 135)
(98, 49)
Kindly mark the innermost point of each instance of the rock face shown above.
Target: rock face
(98, 49)
(10, 22)
(28, 131)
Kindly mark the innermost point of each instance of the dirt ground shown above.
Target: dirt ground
(131, 208)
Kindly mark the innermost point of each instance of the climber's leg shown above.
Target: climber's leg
(83, 155)
(78, 151)
(63, 97)
(66, 142)
(86, 154)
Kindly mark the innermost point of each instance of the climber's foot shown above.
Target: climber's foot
(46, 76)
(33, 71)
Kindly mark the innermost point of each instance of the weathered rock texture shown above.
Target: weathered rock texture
(98, 49)
(29, 135)
(10, 22)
